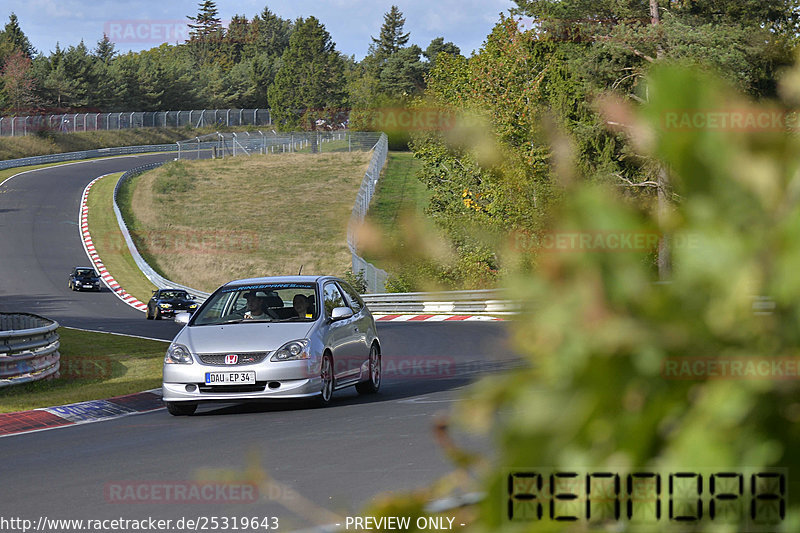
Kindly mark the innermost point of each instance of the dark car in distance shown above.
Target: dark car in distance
(167, 302)
(84, 278)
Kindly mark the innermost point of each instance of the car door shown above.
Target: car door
(342, 337)
(362, 322)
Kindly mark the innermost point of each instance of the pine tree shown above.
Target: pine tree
(13, 34)
(392, 38)
(206, 33)
(206, 23)
(274, 33)
(105, 51)
(311, 78)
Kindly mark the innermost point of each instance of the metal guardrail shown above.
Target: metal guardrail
(86, 154)
(28, 348)
(477, 302)
(155, 278)
(375, 277)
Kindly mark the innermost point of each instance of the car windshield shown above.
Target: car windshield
(261, 302)
(169, 295)
(85, 272)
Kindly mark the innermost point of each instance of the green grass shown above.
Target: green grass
(56, 143)
(109, 242)
(94, 366)
(203, 223)
(399, 192)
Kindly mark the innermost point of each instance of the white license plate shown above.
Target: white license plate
(231, 378)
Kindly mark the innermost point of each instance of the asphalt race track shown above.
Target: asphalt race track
(333, 459)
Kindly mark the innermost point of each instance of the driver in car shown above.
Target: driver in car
(255, 306)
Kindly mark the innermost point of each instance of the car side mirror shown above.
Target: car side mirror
(340, 313)
(182, 318)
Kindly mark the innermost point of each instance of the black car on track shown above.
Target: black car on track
(169, 302)
(84, 278)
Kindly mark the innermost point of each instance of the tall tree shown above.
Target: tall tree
(311, 78)
(14, 35)
(438, 46)
(18, 84)
(274, 33)
(206, 32)
(105, 50)
(392, 38)
(207, 22)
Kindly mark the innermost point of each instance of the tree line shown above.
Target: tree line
(266, 61)
(541, 86)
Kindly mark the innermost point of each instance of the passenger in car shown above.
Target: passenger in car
(300, 304)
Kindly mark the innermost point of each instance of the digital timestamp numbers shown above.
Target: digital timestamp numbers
(754, 498)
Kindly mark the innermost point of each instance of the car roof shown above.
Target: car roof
(83, 268)
(279, 279)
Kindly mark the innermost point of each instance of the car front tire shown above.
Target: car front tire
(158, 313)
(374, 383)
(181, 408)
(326, 373)
(147, 314)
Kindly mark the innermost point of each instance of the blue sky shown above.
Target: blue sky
(142, 24)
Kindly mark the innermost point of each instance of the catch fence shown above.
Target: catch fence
(76, 122)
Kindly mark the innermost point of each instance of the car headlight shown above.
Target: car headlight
(178, 354)
(192, 306)
(165, 306)
(292, 351)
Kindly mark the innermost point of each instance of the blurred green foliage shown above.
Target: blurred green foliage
(596, 329)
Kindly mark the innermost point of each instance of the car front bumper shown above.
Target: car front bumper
(282, 380)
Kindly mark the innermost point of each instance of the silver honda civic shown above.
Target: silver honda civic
(278, 337)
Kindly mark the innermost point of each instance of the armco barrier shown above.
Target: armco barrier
(155, 278)
(477, 302)
(86, 154)
(28, 348)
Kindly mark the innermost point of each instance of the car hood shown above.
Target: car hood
(244, 337)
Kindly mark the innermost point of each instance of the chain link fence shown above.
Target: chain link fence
(375, 277)
(75, 122)
(271, 142)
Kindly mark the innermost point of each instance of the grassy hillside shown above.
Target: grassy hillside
(56, 143)
(399, 193)
(203, 223)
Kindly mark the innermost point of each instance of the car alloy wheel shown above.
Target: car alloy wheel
(374, 383)
(326, 373)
